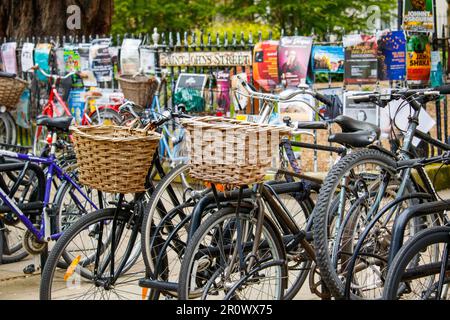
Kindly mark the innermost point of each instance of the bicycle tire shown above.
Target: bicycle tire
(408, 251)
(82, 224)
(321, 217)
(228, 212)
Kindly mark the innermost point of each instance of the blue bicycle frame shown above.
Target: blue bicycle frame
(44, 234)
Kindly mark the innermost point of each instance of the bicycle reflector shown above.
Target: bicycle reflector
(71, 268)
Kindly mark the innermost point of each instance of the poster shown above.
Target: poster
(26, 56)
(398, 112)
(23, 110)
(418, 16)
(293, 59)
(392, 56)
(437, 73)
(8, 51)
(265, 65)
(361, 59)
(114, 53)
(418, 58)
(360, 111)
(100, 61)
(299, 110)
(83, 51)
(336, 96)
(71, 59)
(60, 61)
(190, 91)
(222, 92)
(41, 57)
(240, 101)
(328, 59)
(147, 62)
(129, 57)
(76, 104)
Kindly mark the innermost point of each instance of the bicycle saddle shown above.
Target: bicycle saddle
(348, 124)
(358, 139)
(59, 123)
(7, 75)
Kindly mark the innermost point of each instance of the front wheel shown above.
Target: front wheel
(93, 273)
(414, 273)
(212, 269)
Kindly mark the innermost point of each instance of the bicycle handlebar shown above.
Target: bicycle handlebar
(54, 76)
(411, 163)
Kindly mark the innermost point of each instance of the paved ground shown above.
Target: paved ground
(14, 285)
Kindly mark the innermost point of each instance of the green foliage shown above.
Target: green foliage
(140, 16)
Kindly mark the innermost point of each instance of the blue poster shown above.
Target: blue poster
(76, 104)
(392, 56)
(328, 59)
(42, 57)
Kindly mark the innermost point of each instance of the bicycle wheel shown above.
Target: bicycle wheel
(354, 190)
(12, 128)
(5, 130)
(108, 117)
(415, 270)
(211, 269)
(93, 273)
(166, 223)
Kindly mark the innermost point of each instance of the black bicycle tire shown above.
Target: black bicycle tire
(414, 245)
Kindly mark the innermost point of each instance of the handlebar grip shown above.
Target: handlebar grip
(324, 99)
(362, 99)
(445, 89)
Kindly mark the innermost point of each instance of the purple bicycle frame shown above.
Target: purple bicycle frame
(53, 169)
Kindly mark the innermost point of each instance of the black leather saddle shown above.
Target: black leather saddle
(355, 133)
(59, 123)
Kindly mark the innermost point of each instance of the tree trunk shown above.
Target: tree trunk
(27, 18)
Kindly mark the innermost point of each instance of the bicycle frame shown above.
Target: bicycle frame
(44, 233)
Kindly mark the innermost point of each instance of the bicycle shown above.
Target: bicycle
(363, 192)
(108, 241)
(176, 237)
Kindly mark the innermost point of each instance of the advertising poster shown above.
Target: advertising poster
(23, 110)
(114, 53)
(336, 96)
(418, 58)
(60, 62)
(100, 61)
(418, 16)
(71, 59)
(361, 59)
(190, 91)
(8, 51)
(222, 92)
(265, 65)
(83, 51)
(299, 110)
(41, 57)
(437, 73)
(76, 104)
(129, 56)
(392, 56)
(26, 58)
(360, 111)
(328, 59)
(293, 59)
(147, 56)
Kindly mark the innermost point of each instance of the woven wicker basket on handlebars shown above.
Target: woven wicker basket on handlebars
(11, 89)
(231, 152)
(114, 159)
(140, 89)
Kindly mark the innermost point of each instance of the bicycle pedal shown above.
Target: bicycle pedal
(30, 269)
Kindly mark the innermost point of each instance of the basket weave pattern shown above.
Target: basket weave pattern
(114, 159)
(139, 89)
(11, 89)
(231, 152)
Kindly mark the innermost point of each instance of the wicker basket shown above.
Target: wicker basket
(114, 159)
(139, 89)
(11, 89)
(231, 152)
